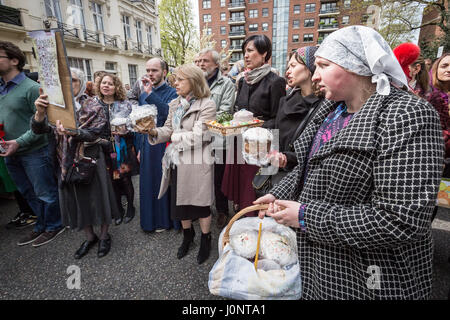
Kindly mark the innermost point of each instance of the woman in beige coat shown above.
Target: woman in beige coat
(188, 162)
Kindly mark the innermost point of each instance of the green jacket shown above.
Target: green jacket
(16, 109)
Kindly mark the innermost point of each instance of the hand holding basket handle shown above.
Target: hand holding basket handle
(284, 212)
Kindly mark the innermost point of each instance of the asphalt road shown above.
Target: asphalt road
(139, 266)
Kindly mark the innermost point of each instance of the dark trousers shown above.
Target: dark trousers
(221, 200)
(22, 203)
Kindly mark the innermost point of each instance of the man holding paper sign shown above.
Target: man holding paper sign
(26, 154)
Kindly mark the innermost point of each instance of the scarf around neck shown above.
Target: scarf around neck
(255, 75)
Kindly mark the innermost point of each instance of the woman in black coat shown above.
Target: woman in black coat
(296, 108)
(259, 91)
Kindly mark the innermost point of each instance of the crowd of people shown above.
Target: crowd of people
(363, 136)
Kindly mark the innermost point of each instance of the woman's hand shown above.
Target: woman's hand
(278, 159)
(61, 131)
(286, 213)
(41, 104)
(267, 199)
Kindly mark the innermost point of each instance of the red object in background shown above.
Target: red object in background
(406, 54)
(2, 133)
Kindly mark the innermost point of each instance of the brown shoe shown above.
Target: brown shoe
(221, 220)
(29, 238)
(47, 236)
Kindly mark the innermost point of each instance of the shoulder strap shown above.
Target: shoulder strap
(305, 121)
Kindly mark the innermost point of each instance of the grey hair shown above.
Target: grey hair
(82, 77)
(214, 53)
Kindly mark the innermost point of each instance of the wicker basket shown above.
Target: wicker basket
(226, 235)
(232, 130)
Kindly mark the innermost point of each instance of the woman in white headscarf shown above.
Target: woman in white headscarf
(91, 203)
(369, 167)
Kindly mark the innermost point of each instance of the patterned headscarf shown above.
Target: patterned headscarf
(363, 51)
(307, 56)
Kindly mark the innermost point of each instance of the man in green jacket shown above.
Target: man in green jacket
(27, 154)
(223, 93)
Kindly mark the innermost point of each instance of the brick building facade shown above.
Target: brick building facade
(290, 24)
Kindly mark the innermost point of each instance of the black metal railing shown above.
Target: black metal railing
(329, 26)
(137, 46)
(110, 41)
(237, 19)
(237, 47)
(68, 30)
(237, 33)
(148, 49)
(10, 15)
(234, 4)
(329, 10)
(91, 36)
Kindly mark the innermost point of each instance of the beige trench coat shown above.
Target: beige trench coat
(195, 173)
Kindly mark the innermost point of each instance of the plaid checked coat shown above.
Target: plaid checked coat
(370, 193)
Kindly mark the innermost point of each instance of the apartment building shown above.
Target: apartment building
(118, 36)
(290, 24)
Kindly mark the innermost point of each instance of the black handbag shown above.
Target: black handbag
(262, 183)
(82, 171)
(83, 168)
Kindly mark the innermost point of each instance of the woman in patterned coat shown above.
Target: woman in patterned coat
(83, 206)
(369, 166)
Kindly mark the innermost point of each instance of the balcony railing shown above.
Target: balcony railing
(236, 48)
(68, 30)
(137, 46)
(237, 33)
(237, 19)
(10, 15)
(91, 36)
(235, 4)
(329, 10)
(110, 41)
(329, 26)
(148, 49)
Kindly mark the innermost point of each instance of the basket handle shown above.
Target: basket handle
(226, 235)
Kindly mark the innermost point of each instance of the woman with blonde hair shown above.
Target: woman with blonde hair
(123, 161)
(187, 162)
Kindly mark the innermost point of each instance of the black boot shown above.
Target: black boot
(188, 237)
(205, 248)
(119, 220)
(130, 214)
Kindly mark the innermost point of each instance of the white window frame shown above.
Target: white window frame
(97, 13)
(207, 3)
(149, 36)
(83, 64)
(126, 27)
(78, 12)
(253, 13)
(53, 6)
(139, 37)
(132, 78)
(207, 17)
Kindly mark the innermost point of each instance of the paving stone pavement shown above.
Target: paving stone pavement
(139, 265)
